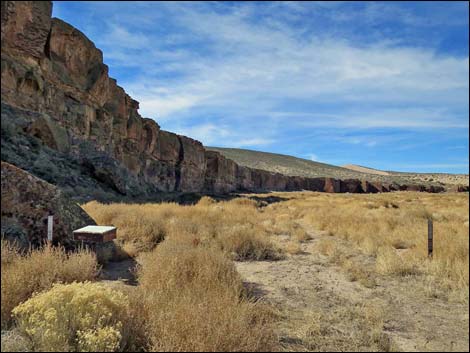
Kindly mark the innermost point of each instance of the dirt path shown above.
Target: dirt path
(120, 271)
(323, 308)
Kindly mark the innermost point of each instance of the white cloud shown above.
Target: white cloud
(410, 118)
(124, 39)
(313, 157)
(252, 142)
(161, 107)
(206, 133)
(221, 135)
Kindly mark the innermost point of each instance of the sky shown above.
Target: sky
(379, 84)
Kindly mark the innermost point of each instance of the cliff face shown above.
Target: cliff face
(66, 120)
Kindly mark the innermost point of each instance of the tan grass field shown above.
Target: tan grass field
(391, 227)
(313, 272)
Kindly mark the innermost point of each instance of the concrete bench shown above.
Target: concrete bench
(95, 234)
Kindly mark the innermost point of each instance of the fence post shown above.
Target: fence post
(50, 221)
(430, 237)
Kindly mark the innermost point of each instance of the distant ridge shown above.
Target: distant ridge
(285, 164)
(362, 169)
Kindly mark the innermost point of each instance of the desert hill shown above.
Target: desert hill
(362, 169)
(285, 164)
(295, 166)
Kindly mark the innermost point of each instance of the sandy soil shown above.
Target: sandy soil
(314, 294)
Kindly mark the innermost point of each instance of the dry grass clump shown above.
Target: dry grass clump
(38, 270)
(339, 256)
(356, 272)
(14, 341)
(361, 328)
(331, 249)
(293, 248)
(180, 263)
(243, 202)
(206, 201)
(193, 300)
(389, 262)
(300, 234)
(246, 244)
(235, 226)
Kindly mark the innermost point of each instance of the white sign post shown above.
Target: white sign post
(50, 220)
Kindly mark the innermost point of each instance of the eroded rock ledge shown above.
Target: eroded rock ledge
(65, 120)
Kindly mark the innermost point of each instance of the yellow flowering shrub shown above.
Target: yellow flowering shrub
(104, 339)
(84, 317)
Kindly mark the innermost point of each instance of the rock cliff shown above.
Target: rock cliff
(65, 120)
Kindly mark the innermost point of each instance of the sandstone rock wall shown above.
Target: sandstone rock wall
(56, 89)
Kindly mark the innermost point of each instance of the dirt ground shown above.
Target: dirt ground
(121, 271)
(322, 309)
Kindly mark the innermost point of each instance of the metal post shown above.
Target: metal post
(430, 237)
(50, 221)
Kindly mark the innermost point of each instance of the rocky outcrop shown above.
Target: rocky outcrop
(65, 120)
(27, 201)
(460, 188)
(26, 26)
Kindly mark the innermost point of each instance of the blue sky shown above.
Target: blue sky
(380, 84)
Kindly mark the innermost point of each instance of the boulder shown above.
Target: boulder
(27, 201)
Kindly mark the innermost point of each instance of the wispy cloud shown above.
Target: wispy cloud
(312, 157)
(223, 136)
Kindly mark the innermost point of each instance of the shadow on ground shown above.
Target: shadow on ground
(254, 290)
(123, 271)
(187, 198)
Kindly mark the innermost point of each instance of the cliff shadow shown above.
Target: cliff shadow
(193, 198)
(181, 198)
